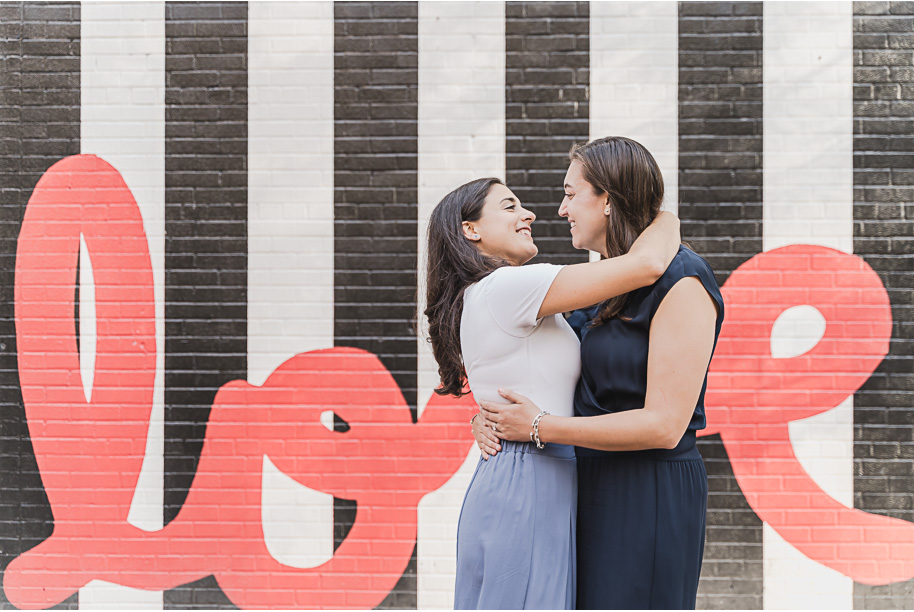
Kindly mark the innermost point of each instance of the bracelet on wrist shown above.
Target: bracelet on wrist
(473, 418)
(535, 434)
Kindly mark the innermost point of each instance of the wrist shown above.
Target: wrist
(552, 429)
(535, 430)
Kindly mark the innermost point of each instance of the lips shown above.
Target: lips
(525, 231)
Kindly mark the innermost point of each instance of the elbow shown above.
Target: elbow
(670, 439)
(671, 443)
(655, 267)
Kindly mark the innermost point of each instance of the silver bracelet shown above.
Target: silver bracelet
(535, 434)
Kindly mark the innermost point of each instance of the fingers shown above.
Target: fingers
(512, 396)
(489, 448)
(495, 431)
(489, 434)
(488, 409)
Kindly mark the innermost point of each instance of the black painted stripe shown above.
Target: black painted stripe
(720, 191)
(375, 204)
(39, 125)
(547, 109)
(206, 238)
(883, 195)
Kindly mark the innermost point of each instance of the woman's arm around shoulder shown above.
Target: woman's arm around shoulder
(581, 285)
(681, 343)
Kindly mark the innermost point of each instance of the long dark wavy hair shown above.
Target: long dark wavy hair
(627, 172)
(453, 265)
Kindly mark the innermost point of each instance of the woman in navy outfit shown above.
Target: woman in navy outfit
(642, 486)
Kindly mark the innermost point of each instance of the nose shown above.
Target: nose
(527, 214)
(563, 208)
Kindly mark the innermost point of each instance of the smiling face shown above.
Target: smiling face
(503, 230)
(585, 210)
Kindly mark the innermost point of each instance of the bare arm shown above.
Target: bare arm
(585, 284)
(681, 341)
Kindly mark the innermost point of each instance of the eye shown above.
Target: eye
(569, 195)
(509, 207)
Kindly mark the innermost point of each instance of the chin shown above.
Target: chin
(530, 255)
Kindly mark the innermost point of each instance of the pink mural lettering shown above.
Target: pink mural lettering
(90, 453)
(752, 397)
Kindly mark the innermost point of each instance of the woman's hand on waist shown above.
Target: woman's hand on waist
(486, 439)
(510, 421)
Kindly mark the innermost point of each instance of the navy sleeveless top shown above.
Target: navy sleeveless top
(614, 354)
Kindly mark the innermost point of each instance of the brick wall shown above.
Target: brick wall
(883, 190)
(356, 221)
(546, 110)
(206, 238)
(720, 192)
(375, 204)
(40, 124)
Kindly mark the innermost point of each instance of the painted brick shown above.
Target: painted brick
(39, 47)
(375, 204)
(546, 81)
(376, 61)
(883, 189)
(205, 245)
(720, 110)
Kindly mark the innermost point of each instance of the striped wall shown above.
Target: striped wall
(40, 100)
(808, 152)
(126, 126)
(285, 158)
(461, 136)
(720, 204)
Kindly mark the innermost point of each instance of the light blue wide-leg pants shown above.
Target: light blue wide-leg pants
(516, 534)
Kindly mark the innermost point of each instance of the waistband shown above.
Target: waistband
(559, 451)
(684, 451)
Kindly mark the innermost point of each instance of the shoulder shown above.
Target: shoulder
(511, 276)
(526, 270)
(687, 263)
(514, 294)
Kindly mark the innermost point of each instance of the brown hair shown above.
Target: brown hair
(453, 265)
(628, 173)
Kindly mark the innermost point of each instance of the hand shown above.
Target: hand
(512, 421)
(660, 242)
(485, 438)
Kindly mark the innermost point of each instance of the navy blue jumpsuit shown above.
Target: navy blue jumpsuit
(641, 514)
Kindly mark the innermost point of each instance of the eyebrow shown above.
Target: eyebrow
(514, 200)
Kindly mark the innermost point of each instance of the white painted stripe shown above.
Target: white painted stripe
(461, 138)
(634, 80)
(808, 150)
(290, 235)
(101, 595)
(123, 121)
(808, 132)
(88, 325)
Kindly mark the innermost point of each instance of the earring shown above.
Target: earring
(606, 211)
(475, 236)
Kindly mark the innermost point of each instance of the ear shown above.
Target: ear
(469, 232)
(607, 207)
